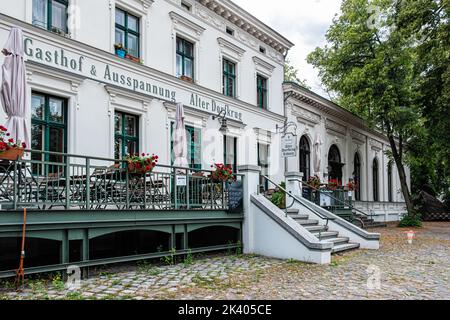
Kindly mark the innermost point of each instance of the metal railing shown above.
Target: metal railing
(48, 180)
(338, 200)
(263, 188)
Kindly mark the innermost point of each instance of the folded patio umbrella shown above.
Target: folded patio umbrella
(180, 139)
(13, 87)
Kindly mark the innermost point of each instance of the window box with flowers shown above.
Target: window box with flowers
(141, 164)
(222, 173)
(10, 150)
(121, 51)
(133, 58)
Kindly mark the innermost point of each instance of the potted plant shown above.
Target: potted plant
(333, 184)
(10, 150)
(279, 197)
(351, 186)
(132, 58)
(314, 182)
(141, 164)
(222, 173)
(187, 79)
(121, 51)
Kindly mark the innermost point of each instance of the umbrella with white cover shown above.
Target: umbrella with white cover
(180, 140)
(317, 154)
(13, 87)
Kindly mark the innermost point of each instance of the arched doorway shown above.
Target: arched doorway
(305, 158)
(375, 180)
(357, 176)
(334, 164)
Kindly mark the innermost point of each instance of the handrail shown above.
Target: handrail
(54, 179)
(336, 199)
(104, 159)
(295, 198)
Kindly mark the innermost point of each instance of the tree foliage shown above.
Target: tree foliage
(377, 61)
(291, 74)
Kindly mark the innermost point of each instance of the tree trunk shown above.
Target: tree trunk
(402, 175)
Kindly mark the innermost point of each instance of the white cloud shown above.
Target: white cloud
(304, 22)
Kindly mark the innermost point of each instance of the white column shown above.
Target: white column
(293, 184)
(251, 182)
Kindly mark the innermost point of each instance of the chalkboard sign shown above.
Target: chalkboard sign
(236, 197)
(306, 193)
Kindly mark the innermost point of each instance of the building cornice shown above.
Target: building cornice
(250, 24)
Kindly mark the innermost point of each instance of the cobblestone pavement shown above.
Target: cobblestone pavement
(420, 270)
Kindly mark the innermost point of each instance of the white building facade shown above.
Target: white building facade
(208, 55)
(348, 151)
(211, 56)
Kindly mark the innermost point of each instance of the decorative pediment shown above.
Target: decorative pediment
(182, 22)
(331, 125)
(230, 48)
(263, 136)
(263, 66)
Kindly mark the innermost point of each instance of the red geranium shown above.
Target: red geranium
(8, 143)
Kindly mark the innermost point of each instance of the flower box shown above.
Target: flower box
(141, 165)
(187, 79)
(12, 154)
(133, 58)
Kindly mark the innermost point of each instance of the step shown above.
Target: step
(293, 211)
(327, 235)
(316, 229)
(299, 216)
(345, 247)
(308, 222)
(375, 225)
(338, 241)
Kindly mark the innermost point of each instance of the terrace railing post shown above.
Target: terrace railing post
(15, 186)
(67, 182)
(88, 184)
(127, 189)
(175, 188)
(187, 189)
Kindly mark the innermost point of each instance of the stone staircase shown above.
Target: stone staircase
(322, 232)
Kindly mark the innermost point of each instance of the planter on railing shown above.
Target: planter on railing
(12, 154)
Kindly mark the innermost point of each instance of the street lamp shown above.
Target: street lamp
(221, 117)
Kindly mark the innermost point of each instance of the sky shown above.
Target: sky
(303, 22)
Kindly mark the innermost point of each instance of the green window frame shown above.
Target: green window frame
(261, 86)
(44, 124)
(185, 58)
(42, 15)
(226, 151)
(124, 135)
(128, 31)
(194, 145)
(229, 78)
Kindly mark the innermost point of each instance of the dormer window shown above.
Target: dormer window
(186, 6)
(230, 31)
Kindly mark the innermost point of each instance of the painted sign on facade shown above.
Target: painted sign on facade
(97, 70)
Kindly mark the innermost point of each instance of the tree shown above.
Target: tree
(291, 74)
(427, 23)
(369, 63)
